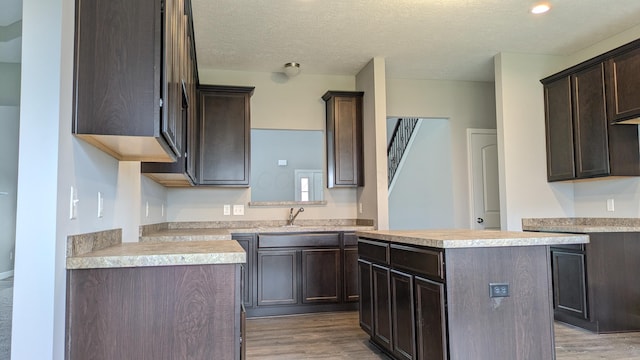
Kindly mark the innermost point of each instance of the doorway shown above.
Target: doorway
(484, 194)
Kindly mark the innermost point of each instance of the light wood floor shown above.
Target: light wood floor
(338, 336)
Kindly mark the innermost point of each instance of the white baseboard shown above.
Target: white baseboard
(6, 274)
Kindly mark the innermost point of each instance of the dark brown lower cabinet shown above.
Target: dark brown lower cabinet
(320, 275)
(433, 303)
(305, 272)
(595, 285)
(151, 313)
(569, 283)
(277, 277)
(402, 310)
(381, 306)
(431, 332)
(366, 300)
(350, 261)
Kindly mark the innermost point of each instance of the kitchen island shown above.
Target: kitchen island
(165, 300)
(459, 294)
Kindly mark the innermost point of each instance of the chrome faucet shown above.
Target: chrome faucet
(293, 216)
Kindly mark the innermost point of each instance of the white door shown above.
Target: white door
(483, 173)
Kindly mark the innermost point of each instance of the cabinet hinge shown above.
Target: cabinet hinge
(161, 102)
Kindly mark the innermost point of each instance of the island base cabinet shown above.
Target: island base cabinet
(381, 307)
(366, 300)
(165, 312)
(431, 331)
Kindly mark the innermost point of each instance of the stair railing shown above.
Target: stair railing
(398, 144)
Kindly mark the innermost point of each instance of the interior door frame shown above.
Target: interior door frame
(470, 133)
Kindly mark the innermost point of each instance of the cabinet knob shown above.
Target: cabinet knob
(479, 220)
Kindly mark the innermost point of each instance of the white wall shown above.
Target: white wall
(422, 194)
(372, 197)
(9, 123)
(277, 103)
(51, 160)
(465, 104)
(524, 191)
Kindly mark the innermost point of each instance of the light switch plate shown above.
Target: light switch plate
(100, 204)
(226, 209)
(610, 205)
(238, 209)
(73, 204)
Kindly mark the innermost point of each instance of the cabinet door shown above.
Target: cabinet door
(350, 279)
(402, 311)
(172, 124)
(559, 130)
(366, 299)
(224, 136)
(623, 81)
(321, 276)
(590, 122)
(344, 138)
(431, 331)
(277, 277)
(247, 287)
(381, 294)
(569, 283)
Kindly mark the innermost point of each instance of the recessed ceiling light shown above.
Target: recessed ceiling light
(540, 9)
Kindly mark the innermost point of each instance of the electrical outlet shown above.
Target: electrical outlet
(10, 255)
(610, 205)
(100, 204)
(73, 204)
(238, 209)
(146, 209)
(360, 207)
(498, 290)
(162, 210)
(226, 209)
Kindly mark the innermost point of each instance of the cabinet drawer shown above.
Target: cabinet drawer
(565, 247)
(298, 240)
(350, 239)
(373, 250)
(421, 261)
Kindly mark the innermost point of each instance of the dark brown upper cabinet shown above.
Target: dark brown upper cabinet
(182, 86)
(224, 135)
(624, 87)
(581, 142)
(126, 90)
(344, 138)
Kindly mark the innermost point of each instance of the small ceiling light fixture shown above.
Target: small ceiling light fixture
(540, 8)
(292, 69)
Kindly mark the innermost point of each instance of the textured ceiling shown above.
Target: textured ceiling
(423, 39)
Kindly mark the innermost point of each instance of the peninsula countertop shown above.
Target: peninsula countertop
(465, 238)
(582, 225)
(160, 254)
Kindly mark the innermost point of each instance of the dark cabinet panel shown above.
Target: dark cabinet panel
(623, 83)
(402, 310)
(249, 274)
(277, 277)
(559, 126)
(321, 275)
(181, 103)
(119, 77)
(344, 138)
(589, 119)
(569, 283)
(366, 298)
(165, 312)
(431, 332)
(580, 104)
(350, 280)
(224, 135)
(381, 293)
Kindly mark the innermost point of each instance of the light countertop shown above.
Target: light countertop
(160, 254)
(465, 238)
(582, 225)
